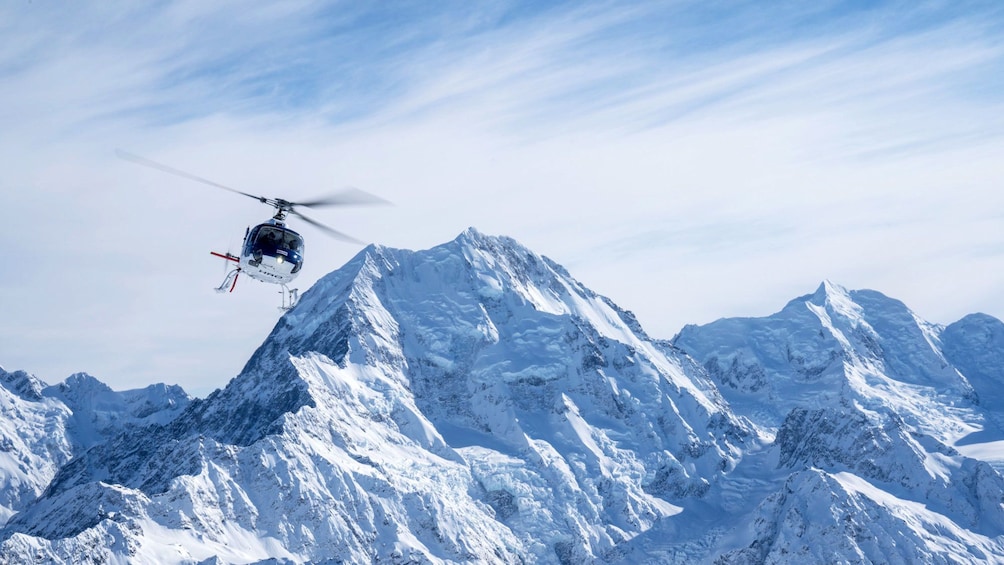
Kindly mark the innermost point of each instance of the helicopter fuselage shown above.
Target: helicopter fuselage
(272, 253)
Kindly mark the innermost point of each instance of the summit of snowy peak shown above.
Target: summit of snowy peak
(503, 264)
(855, 324)
(488, 273)
(850, 308)
(875, 327)
(471, 236)
(78, 387)
(100, 412)
(828, 347)
(835, 298)
(23, 384)
(474, 239)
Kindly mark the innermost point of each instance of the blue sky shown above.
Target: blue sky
(690, 160)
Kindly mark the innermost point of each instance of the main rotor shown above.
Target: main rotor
(346, 197)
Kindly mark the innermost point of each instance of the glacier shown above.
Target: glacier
(474, 403)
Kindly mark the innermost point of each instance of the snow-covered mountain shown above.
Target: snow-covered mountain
(837, 348)
(474, 403)
(867, 407)
(43, 427)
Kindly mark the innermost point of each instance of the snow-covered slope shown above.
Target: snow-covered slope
(837, 348)
(33, 440)
(819, 517)
(42, 427)
(975, 344)
(100, 413)
(473, 403)
(866, 405)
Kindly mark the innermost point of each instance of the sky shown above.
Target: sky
(690, 160)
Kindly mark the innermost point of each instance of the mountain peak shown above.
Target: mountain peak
(476, 377)
(82, 385)
(502, 253)
(851, 345)
(473, 402)
(471, 235)
(828, 287)
(832, 298)
(23, 384)
(833, 292)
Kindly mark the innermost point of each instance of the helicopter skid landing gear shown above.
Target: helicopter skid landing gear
(289, 297)
(230, 282)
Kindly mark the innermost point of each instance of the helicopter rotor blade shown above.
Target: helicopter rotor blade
(350, 196)
(171, 170)
(327, 229)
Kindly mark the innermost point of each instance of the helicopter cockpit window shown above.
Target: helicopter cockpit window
(294, 242)
(268, 237)
(269, 240)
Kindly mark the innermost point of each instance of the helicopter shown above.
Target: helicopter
(271, 252)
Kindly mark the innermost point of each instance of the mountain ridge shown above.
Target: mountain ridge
(475, 403)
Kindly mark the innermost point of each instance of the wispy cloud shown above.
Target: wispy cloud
(665, 150)
(596, 64)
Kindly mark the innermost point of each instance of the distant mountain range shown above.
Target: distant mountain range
(473, 403)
